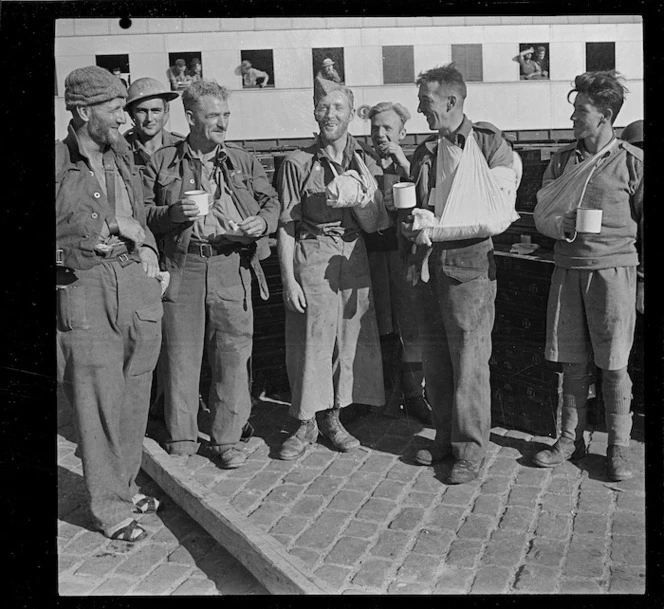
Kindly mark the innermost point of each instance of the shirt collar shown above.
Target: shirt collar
(459, 137)
(581, 153)
(218, 157)
(351, 147)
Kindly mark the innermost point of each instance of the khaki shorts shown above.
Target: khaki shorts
(591, 316)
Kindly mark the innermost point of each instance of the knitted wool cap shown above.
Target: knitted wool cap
(90, 86)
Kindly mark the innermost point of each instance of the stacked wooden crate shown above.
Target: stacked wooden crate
(526, 389)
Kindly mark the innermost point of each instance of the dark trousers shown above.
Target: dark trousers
(455, 322)
(212, 309)
(109, 333)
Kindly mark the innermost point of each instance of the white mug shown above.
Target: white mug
(588, 220)
(201, 198)
(403, 194)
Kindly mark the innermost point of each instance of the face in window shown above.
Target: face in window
(333, 113)
(210, 119)
(150, 116)
(588, 120)
(386, 127)
(435, 104)
(541, 53)
(104, 121)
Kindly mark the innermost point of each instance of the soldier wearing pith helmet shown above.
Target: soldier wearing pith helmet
(148, 106)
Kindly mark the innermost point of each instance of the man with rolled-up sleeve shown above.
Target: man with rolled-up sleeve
(212, 260)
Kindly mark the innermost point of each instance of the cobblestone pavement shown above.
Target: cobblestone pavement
(178, 557)
(372, 522)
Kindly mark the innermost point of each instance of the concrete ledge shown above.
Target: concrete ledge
(260, 553)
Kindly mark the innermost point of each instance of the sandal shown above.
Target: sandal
(145, 505)
(132, 532)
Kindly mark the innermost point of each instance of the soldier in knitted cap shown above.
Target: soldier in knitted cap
(332, 345)
(147, 105)
(109, 302)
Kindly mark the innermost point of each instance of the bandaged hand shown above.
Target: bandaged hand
(149, 261)
(130, 228)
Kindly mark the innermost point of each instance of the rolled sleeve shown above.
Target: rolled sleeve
(288, 187)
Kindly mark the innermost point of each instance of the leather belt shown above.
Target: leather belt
(207, 250)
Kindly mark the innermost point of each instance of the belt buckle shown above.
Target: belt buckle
(59, 257)
(123, 259)
(205, 250)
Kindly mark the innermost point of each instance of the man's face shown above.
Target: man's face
(117, 73)
(587, 119)
(105, 120)
(181, 69)
(386, 127)
(333, 113)
(434, 98)
(328, 69)
(541, 53)
(197, 68)
(210, 119)
(150, 116)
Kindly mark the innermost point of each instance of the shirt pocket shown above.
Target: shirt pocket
(170, 189)
(71, 309)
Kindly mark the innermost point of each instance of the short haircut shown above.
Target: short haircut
(605, 89)
(396, 107)
(201, 88)
(446, 75)
(180, 62)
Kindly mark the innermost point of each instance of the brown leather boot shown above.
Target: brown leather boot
(335, 432)
(297, 444)
(560, 452)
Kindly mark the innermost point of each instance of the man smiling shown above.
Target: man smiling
(108, 307)
(332, 347)
(457, 310)
(591, 313)
(211, 259)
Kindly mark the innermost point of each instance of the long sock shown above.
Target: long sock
(617, 394)
(576, 382)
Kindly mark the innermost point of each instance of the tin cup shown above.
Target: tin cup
(588, 220)
(403, 194)
(201, 198)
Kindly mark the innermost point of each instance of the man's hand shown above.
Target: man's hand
(640, 296)
(253, 226)
(184, 210)
(408, 232)
(395, 151)
(294, 297)
(149, 261)
(130, 229)
(569, 224)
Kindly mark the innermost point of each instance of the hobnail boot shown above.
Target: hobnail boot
(297, 444)
(335, 432)
(560, 452)
(618, 466)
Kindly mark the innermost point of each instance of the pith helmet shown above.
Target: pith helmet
(327, 62)
(144, 88)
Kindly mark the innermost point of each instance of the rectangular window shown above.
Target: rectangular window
(600, 56)
(398, 65)
(468, 60)
(115, 64)
(184, 67)
(328, 62)
(257, 69)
